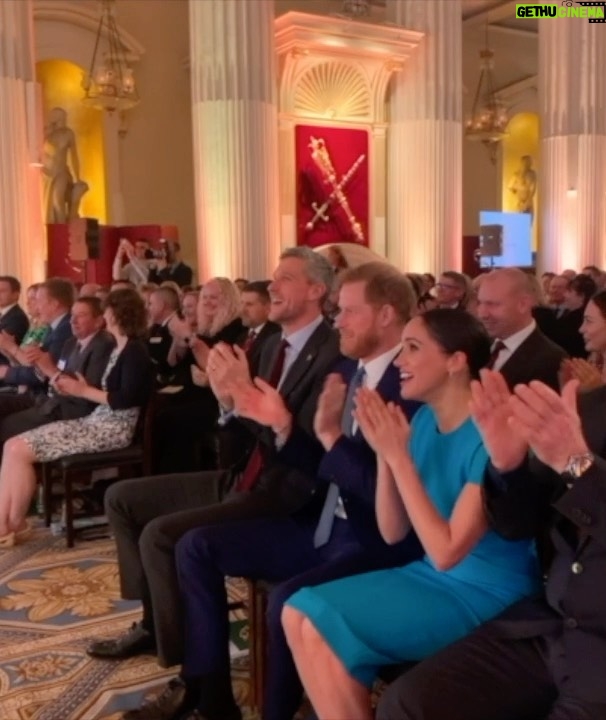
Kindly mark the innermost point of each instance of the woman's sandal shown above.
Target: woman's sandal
(7, 541)
(14, 538)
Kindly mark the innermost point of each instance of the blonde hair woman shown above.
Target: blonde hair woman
(189, 413)
(218, 306)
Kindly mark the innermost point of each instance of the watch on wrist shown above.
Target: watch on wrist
(578, 465)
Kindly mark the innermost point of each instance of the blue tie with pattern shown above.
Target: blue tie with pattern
(327, 516)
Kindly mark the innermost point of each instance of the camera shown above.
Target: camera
(155, 254)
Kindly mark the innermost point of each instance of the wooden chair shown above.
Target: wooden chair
(67, 469)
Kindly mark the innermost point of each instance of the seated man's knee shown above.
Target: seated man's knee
(399, 701)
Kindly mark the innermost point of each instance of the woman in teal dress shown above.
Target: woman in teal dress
(429, 479)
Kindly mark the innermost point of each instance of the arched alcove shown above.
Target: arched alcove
(65, 32)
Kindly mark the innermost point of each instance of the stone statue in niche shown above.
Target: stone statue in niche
(524, 186)
(63, 188)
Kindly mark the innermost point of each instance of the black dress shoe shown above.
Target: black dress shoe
(168, 705)
(135, 641)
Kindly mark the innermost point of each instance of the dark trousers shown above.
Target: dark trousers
(484, 677)
(148, 516)
(277, 550)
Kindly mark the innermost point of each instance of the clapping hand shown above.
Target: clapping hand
(227, 369)
(588, 375)
(32, 354)
(67, 385)
(199, 377)
(262, 403)
(548, 422)
(491, 410)
(329, 412)
(7, 343)
(46, 365)
(200, 351)
(385, 427)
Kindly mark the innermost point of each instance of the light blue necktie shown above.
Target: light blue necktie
(327, 516)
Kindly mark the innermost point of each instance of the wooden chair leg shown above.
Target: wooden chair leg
(69, 509)
(260, 648)
(47, 491)
(257, 605)
(252, 641)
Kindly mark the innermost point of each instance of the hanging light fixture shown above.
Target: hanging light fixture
(110, 83)
(489, 118)
(356, 8)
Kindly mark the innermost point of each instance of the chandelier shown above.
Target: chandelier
(488, 118)
(356, 8)
(110, 83)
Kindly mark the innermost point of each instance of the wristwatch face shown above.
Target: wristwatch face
(579, 464)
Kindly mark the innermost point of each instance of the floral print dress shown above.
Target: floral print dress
(104, 429)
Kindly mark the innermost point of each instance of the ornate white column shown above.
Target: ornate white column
(572, 97)
(424, 171)
(22, 249)
(235, 125)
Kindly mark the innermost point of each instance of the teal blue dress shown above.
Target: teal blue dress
(408, 613)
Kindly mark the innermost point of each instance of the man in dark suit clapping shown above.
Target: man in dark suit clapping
(543, 658)
(55, 298)
(519, 351)
(13, 319)
(87, 353)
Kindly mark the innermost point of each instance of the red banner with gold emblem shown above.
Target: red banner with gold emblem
(332, 185)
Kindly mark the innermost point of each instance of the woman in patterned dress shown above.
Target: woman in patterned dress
(125, 388)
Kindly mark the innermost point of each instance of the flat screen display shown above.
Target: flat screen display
(505, 239)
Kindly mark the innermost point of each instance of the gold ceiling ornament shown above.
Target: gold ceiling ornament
(488, 120)
(110, 83)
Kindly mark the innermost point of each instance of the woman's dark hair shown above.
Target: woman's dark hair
(583, 285)
(599, 299)
(459, 331)
(129, 311)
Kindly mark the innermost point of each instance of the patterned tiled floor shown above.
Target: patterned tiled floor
(52, 601)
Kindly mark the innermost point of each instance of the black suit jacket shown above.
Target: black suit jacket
(525, 503)
(284, 488)
(159, 342)
(567, 335)
(53, 344)
(537, 358)
(16, 323)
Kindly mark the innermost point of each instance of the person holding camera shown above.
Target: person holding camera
(169, 266)
(136, 269)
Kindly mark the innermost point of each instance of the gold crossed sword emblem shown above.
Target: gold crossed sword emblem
(321, 157)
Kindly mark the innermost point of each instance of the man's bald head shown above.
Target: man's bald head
(505, 302)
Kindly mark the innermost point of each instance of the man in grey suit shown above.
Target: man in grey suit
(150, 515)
(87, 353)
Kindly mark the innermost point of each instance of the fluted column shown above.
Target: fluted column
(424, 171)
(235, 122)
(21, 228)
(572, 96)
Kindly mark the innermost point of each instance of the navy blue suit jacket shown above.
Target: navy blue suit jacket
(53, 344)
(351, 464)
(16, 323)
